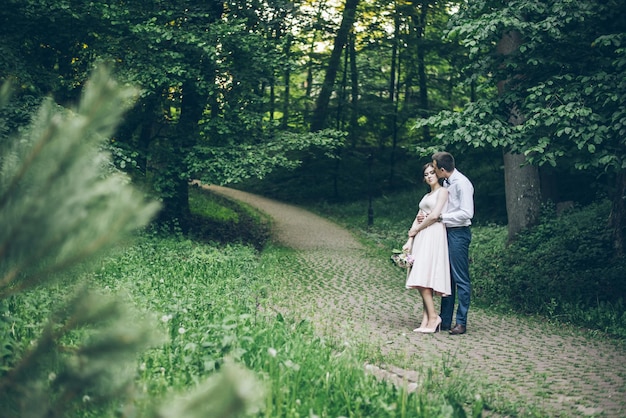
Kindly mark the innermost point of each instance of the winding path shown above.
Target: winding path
(557, 370)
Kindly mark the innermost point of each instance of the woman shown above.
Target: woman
(428, 244)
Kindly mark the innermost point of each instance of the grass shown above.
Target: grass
(216, 303)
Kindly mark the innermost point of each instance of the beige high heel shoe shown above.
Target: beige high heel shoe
(431, 330)
(423, 324)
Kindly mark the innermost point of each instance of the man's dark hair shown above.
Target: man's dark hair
(444, 160)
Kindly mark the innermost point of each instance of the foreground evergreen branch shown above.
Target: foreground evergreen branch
(61, 203)
(58, 206)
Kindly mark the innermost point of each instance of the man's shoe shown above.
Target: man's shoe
(445, 327)
(458, 330)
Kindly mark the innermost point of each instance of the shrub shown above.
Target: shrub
(567, 258)
(486, 261)
(564, 268)
(217, 219)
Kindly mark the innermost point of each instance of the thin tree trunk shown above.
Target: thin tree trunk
(421, 69)
(339, 123)
(286, 95)
(272, 108)
(320, 112)
(618, 214)
(309, 71)
(395, 69)
(354, 77)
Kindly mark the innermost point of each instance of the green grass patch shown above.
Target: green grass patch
(214, 304)
(215, 219)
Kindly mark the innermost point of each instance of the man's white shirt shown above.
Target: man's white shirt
(460, 209)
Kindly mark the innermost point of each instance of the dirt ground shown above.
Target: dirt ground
(561, 371)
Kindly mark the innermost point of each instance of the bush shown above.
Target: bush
(564, 268)
(217, 219)
(567, 258)
(486, 263)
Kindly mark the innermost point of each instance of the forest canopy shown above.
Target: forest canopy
(239, 89)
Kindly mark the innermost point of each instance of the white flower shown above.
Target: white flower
(52, 376)
(86, 398)
(292, 365)
(166, 318)
(272, 352)
(181, 330)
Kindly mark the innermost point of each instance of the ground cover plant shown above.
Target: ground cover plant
(215, 303)
(218, 220)
(212, 304)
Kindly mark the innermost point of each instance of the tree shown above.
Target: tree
(320, 112)
(566, 79)
(216, 77)
(522, 187)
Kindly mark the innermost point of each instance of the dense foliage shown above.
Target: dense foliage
(560, 69)
(228, 87)
(563, 269)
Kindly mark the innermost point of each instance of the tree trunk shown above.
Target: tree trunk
(309, 67)
(354, 78)
(618, 214)
(521, 181)
(176, 200)
(523, 197)
(421, 69)
(320, 112)
(393, 98)
(343, 89)
(284, 123)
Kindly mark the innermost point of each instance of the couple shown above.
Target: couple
(439, 241)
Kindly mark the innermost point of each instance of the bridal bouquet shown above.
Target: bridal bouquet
(402, 259)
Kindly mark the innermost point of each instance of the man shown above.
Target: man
(457, 219)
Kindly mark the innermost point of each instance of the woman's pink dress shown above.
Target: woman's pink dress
(431, 268)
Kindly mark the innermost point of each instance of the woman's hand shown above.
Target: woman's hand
(407, 246)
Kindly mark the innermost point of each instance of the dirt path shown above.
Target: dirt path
(346, 292)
